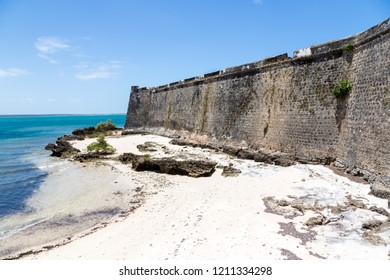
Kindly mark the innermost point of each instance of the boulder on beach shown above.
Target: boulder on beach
(189, 167)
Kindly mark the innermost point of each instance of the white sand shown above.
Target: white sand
(227, 218)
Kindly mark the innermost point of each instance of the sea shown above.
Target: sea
(25, 164)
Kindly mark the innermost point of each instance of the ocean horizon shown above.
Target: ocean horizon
(25, 164)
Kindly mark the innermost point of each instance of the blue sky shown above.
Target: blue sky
(82, 56)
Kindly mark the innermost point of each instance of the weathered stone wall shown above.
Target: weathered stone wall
(287, 104)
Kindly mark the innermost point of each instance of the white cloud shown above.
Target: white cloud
(12, 72)
(50, 44)
(47, 58)
(258, 2)
(47, 46)
(88, 71)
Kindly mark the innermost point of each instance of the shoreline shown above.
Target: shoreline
(73, 200)
(264, 212)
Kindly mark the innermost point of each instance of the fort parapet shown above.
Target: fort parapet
(287, 104)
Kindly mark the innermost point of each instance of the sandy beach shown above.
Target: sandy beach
(265, 212)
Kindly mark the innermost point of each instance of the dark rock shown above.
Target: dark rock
(88, 156)
(233, 151)
(127, 157)
(283, 160)
(148, 147)
(357, 203)
(183, 142)
(230, 171)
(84, 131)
(192, 168)
(50, 147)
(274, 158)
(71, 137)
(133, 132)
(380, 190)
(61, 148)
(262, 157)
(372, 224)
(315, 221)
(327, 160)
(356, 172)
(179, 142)
(283, 203)
(379, 210)
(246, 154)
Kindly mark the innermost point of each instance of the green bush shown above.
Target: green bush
(348, 47)
(101, 146)
(105, 126)
(342, 89)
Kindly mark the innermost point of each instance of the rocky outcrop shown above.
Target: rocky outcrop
(230, 171)
(61, 148)
(270, 157)
(381, 191)
(86, 157)
(190, 167)
(183, 142)
(134, 131)
(83, 132)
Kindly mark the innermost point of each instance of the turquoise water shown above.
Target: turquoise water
(22, 142)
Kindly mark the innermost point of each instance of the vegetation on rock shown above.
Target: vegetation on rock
(342, 89)
(101, 146)
(105, 128)
(348, 47)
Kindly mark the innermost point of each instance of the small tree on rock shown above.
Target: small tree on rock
(101, 146)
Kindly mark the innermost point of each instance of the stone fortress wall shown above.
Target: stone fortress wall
(287, 104)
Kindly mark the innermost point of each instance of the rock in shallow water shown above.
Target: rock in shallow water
(61, 148)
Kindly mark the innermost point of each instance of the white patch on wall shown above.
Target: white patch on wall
(302, 52)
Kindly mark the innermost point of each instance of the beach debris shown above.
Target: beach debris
(230, 171)
(61, 148)
(188, 167)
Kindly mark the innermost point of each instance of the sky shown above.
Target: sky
(82, 56)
